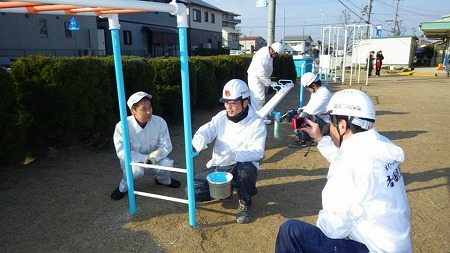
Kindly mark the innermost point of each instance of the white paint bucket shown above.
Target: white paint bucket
(219, 184)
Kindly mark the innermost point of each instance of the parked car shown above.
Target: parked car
(5, 68)
(237, 52)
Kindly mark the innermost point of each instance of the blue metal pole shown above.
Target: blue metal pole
(301, 95)
(182, 33)
(123, 117)
(301, 86)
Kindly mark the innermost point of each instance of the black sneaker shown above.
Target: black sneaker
(173, 183)
(243, 215)
(298, 144)
(117, 194)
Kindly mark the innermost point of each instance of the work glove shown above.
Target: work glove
(199, 143)
(151, 157)
(273, 84)
(228, 158)
(211, 163)
(150, 160)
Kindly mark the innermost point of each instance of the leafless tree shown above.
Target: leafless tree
(401, 29)
(345, 19)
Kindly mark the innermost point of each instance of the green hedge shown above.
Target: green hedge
(11, 133)
(61, 99)
(56, 101)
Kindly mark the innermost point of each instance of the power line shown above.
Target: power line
(350, 9)
(357, 7)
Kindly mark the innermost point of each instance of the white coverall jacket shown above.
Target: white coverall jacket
(259, 73)
(318, 102)
(153, 138)
(365, 197)
(247, 138)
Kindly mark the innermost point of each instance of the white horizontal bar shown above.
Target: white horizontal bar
(151, 166)
(156, 196)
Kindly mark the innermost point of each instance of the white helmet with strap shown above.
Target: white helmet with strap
(235, 89)
(277, 47)
(308, 78)
(355, 104)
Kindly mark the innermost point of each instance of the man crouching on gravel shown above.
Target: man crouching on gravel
(240, 137)
(150, 143)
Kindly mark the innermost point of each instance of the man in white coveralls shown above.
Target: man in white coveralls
(364, 202)
(150, 143)
(259, 73)
(240, 137)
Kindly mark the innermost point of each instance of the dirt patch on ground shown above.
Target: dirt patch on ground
(62, 204)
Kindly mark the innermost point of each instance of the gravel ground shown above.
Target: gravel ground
(61, 203)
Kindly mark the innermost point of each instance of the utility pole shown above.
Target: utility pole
(271, 22)
(284, 24)
(321, 29)
(395, 20)
(369, 10)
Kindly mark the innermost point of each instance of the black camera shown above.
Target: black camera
(299, 122)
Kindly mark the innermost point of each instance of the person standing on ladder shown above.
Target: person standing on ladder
(259, 73)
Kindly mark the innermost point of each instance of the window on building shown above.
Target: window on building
(43, 28)
(213, 18)
(235, 37)
(68, 32)
(206, 16)
(196, 15)
(127, 38)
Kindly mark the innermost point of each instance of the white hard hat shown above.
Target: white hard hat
(308, 78)
(136, 97)
(277, 47)
(233, 90)
(353, 103)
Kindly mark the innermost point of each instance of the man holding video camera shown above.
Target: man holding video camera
(317, 105)
(364, 202)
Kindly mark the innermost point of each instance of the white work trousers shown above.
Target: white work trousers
(257, 92)
(163, 176)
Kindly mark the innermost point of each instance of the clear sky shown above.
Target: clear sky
(304, 17)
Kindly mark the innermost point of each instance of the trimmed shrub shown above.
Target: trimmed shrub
(61, 99)
(11, 135)
(206, 82)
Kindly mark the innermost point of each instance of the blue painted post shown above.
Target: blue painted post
(301, 86)
(187, 123)
(182, 23)
(114, 26)
(301, 95)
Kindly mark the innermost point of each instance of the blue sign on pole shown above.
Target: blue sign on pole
(73, 25)
(378, 31)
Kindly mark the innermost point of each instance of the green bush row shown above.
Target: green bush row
(56, 101)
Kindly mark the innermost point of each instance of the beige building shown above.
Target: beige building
(251, 44)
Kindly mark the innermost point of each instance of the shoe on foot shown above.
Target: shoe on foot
(173, 183)
(242, 216)
(267, 121)
(117, 194)
(297, 144)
